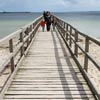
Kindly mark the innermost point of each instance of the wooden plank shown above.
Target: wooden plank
(48, 97)
(49, 86)
(48, 89)
(49, 68)
(46, 81)
(52, 99)
(47, 78)
(69, 82)
(48, 92)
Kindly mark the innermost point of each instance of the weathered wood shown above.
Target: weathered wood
(76, 40)
(22, 40)
(66, 33)
(86, 50)
(43, 97)
(11, 51)
(48, 77)
(70, 41)
(49, 99)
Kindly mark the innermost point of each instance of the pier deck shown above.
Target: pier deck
(48, 72)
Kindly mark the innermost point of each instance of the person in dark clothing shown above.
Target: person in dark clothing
(53, 23)
(48, 21)
(44, 15)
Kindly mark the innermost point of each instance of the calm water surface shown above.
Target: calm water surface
(87, 22)
(10, 22)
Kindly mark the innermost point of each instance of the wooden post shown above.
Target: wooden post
(11, 51)
(21, 40)
(30, 27)
(31, 33)
(67, 27)
(76, 40)
(67, 32)
(26, 32)
(70, 41)
(33, 26)
(31, 37)
(64, 25)
(86, 50)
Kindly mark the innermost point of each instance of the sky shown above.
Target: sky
(50, 5)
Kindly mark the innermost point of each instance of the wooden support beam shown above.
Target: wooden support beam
(11, 51)
(70, 41)
(76, 40)
(21, 40)
(86, 50)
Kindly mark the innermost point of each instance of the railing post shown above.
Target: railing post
(66, 32)
(86, 50)
(11, 51)
(67, 27)
(76, 40)
(30, 27)
(64, 25)
(31, 33)
(28, 34)
(21, 40)
(70, 41)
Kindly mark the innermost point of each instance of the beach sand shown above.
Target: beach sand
(93, 72)
(4, 54)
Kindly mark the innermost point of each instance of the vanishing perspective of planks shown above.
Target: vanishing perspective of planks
(46, 65)
(48, 72)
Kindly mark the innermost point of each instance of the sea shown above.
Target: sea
(85, 22)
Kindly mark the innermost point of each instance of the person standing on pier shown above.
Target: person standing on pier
(48, 20)
(44, 15)
(53, 23)
(43, 25)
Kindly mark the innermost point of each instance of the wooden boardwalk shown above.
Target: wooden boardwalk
(48, 72)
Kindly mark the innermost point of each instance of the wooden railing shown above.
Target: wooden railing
(71, 37)
(18, 44)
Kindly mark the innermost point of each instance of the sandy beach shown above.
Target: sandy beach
(93, 72)
(4, 54)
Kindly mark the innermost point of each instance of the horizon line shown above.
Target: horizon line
(42, 11)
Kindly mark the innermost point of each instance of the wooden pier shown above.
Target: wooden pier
(46, 68)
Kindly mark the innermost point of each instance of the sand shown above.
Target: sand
(93, 72)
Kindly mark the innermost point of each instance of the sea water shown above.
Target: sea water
(85, 22)
(10, 22)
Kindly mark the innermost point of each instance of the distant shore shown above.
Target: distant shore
(18, 12)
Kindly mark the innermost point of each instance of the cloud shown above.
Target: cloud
(82, 3)
(71, 1)
(52, 5)
(4, 2)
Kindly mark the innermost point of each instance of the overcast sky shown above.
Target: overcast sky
(51, 5)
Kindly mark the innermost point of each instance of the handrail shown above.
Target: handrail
(25, 36)
(73, 38)
(70, 36)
